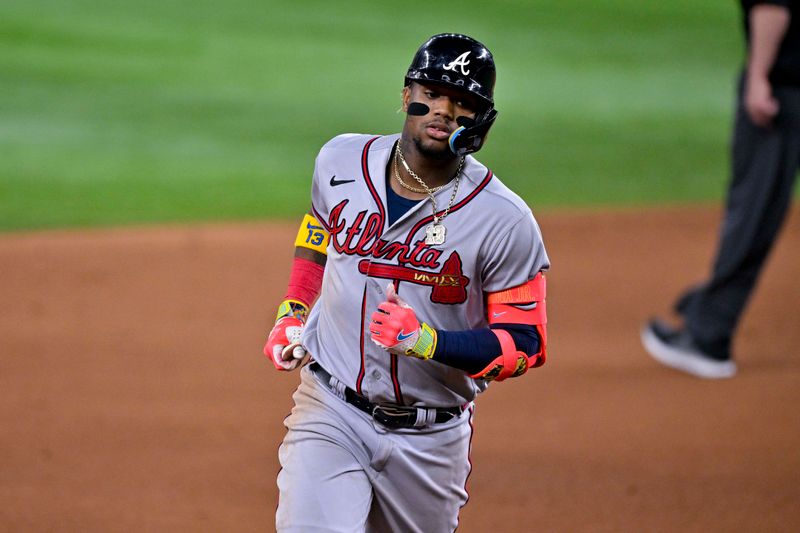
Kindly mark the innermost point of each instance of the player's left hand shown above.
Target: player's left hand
(394, 327)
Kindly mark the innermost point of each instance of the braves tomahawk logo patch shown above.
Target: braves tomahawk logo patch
(448, 286)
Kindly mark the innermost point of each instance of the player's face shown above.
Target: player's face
(430, 132)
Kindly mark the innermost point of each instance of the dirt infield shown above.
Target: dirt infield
(133, 396)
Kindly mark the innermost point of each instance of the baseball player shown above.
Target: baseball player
(427, 274)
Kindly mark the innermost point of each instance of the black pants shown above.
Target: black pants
(764, 165)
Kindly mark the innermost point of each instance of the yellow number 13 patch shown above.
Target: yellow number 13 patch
(312, 235)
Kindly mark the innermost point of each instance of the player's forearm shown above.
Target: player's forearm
(768, 26)
(394, 326)
(311, 255)
(305, 280)
(283, 346)
(472, 350)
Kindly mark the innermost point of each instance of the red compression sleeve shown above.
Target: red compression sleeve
(305, 281)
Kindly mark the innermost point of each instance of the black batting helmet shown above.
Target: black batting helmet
(456, 60)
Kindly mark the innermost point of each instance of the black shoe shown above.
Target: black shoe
(675, 348)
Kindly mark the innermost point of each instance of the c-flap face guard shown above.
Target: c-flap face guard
(469, 137)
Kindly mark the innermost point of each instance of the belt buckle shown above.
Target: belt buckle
(381, 416)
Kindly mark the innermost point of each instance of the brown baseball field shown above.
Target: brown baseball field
(134, 396)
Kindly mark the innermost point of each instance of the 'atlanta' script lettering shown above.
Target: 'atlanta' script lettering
(362, 237)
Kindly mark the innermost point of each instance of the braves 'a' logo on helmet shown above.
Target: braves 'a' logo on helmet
(460, 61)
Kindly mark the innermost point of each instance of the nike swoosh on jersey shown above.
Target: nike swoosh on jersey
(401, 336)
(335, 182)
(495, 315)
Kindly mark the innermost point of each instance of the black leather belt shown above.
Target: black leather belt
(389, 415)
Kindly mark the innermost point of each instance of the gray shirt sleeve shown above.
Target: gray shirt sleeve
(517, 256)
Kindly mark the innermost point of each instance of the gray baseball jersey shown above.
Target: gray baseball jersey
(493, 243)
(340, 469)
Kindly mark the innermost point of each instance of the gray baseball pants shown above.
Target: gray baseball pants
(342, 471)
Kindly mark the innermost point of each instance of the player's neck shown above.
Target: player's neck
(435, 172)
(401, 182)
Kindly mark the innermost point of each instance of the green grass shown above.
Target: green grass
(122, 112)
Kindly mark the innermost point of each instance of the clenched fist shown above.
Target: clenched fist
(283, 345)
(394, 327)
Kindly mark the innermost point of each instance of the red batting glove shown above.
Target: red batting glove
(283, 345)
(394, 327)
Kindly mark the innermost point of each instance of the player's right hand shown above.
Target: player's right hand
(283, 345)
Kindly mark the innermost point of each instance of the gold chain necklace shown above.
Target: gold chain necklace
(435, 233)
(425, 189)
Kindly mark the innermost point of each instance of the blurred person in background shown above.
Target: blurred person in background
(765, 152)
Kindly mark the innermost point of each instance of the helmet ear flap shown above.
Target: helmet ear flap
(469, 137)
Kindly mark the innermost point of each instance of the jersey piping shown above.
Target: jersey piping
(377, 198)
(368, 180)
(398, 394)
(362, 370)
